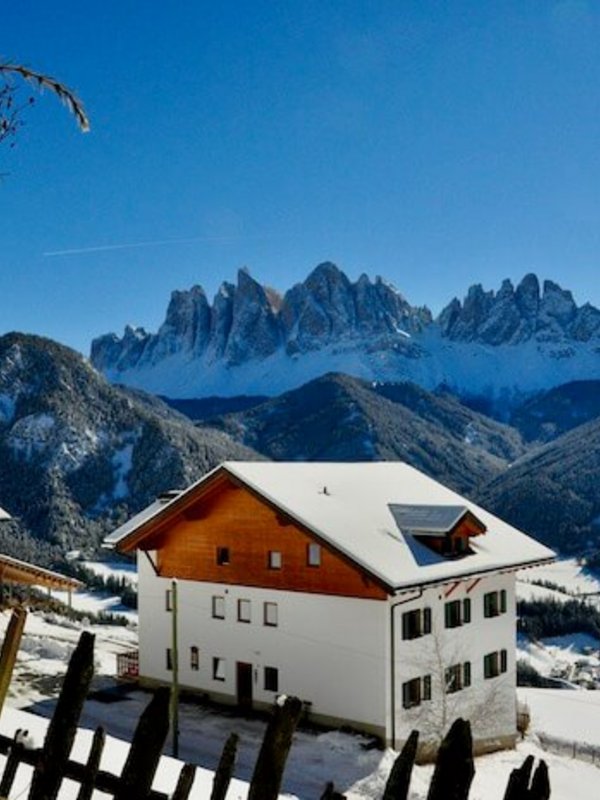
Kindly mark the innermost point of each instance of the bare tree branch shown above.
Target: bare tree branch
(10, 111)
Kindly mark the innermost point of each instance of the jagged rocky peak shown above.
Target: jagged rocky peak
(187, 324)
(510, 315)
(249, 321)
(255, 329)
(329, 307)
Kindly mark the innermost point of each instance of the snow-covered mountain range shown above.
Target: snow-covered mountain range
(501, 345)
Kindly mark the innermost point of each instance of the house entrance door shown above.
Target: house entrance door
(244, 685)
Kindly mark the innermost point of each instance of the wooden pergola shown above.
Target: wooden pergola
(15, 571)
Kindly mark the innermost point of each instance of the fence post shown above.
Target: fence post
(10, 768)
(540, 785)
(454, 768)
(184, 782)
(398, 781)
(146, 747)
(63, 725)
(517, 787)
(268, 771)
(93, 765)
(10, 647)
(224, 771)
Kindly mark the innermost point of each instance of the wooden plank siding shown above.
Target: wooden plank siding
(231, 516)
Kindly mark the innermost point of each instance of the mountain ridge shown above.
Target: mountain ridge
(252, 340)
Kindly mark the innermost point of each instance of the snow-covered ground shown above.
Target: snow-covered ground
(315, 757)
(563, 656)
(567, 573)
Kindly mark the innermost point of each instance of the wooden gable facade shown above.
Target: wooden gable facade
(224, 532)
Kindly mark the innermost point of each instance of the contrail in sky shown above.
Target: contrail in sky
(130, 245)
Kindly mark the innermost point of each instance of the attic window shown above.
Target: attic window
(222, 556)
(313, 555)
(446, 530)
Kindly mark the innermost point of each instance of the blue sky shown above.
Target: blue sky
(438, 144)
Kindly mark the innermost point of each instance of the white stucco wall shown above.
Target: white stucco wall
(335, 652)
(488, 703)
(329, 651)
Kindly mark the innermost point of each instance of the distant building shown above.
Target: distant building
(378, 596)
(14, 571)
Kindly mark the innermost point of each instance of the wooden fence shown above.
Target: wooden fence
(51, 763)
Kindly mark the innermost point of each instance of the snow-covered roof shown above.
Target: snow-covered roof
(4, 515)
(13, 570)
(348, 505)
(143, 516)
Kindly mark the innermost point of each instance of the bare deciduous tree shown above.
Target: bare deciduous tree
(13, 77)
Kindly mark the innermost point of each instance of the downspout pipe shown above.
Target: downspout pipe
(393, 607)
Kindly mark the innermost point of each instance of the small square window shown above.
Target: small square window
(169, 655)
(275, 559)
(194, 658)
(244, 610)
(218, 607)
(271, 679)
(313, 555)
(270, 614)
(223, 556)
(218, 669)
(169, 600)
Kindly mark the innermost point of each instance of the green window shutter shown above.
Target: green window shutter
(487, 610)
(487, 666)
(467, 673)
(405, 626)
(427, 687)
(503, 661)
(466, 610)
(426, 621)
(447, 620)
(503, 601)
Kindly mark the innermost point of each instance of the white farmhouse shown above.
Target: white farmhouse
(381, 598)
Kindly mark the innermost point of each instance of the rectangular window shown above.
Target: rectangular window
(411, 693)
(452, 615)
(457, 677)
(169, 600)
(313, 555)
(169, 655)
(495, 663)
(457, 613)
(222, 556)
(244, 610)
(416, 691)
(218, 607)
(194, 658)
(274, 559)
(218, 669)
(270, 614)
(416, 623)
(453, 679)
(494, 603)
(271, 679)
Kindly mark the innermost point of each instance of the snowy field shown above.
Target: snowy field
(567, 573)
(315, 758)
